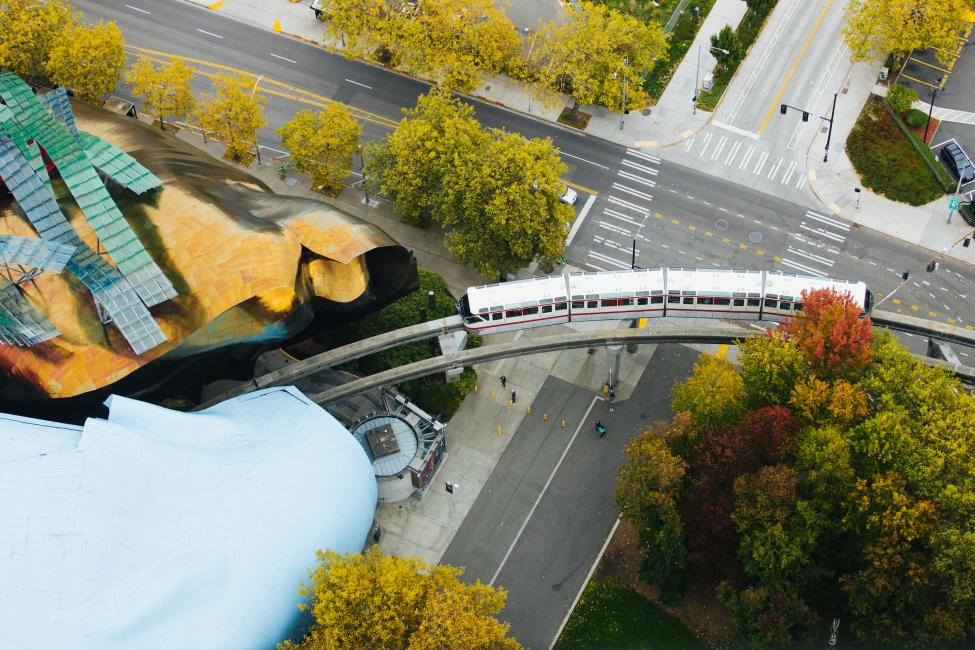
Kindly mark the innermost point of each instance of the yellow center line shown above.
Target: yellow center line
(802, 53)
(722, 351)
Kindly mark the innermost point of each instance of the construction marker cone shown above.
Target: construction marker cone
(529, 410)
(499, 432)
(563, 424)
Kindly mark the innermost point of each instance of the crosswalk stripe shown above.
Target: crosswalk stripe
(690, 144)
(760, 165)
(719, 148)
(636, 179)
(801, 181)
(705, 143)
(633, 192)
(732, 153)
(605, 225)
(775, 169)
(747, 157)
(639, 154)
(823, 232)
(632, 206)
(608, 260)
(803, 268)
(825, 261)
(827, 220)
(787, 175)
(642, 168)
(622, 217)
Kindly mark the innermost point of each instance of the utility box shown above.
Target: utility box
(883, 73)
(708, 82)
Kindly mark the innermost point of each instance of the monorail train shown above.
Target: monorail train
(645, 293)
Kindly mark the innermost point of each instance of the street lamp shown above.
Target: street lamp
(623, 81)
(697, 72)
(934, 91)
(784, 108)
(256, 145)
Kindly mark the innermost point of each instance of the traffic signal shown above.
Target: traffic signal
(968, 240)
(905, 275)
(783, 108)
(805, 116)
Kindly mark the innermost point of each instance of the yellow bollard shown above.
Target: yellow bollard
(563, 424)
(475, 389)
(510, 404)
(545, 418)
(494, 396)
(529, 410)
(499, 432)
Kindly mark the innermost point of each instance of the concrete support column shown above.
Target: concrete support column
(613, 353)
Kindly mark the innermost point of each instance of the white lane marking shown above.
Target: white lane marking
(801, 181)
(605, 225)
(760, 164)
(635, 178)
(811, 256)
(719, 148)
(665, 246)
(925, 283)
(871, 263)
(593, 266)
(723, 209)
(824, 219)
(787, 175)
(681, 252)
(699, 259)
(803, 268)
(359, 84)
(278, 56)
(758, 327)
(823, 232)
(642, 168)
(775, 169)
(137, 9)
(732, 153)
(580, 219)
(605, 259)
(671, 190)
(705, 143)
(595, 164)
(690, 144)
(735, 129)
(774, 227)
(626, 204)
(203, 31)
(892, 270)
(640, 154)
(621, 217)
(630, 190)
(747, 157)
(705, 203)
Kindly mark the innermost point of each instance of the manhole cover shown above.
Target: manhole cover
(645, 112)
(755, 237)
(721, 224)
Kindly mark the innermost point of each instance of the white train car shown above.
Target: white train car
(493, 308)
(717, 293)
(608, 295)
(782, 295)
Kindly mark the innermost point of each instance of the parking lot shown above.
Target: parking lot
(964, 136)
(923, 72)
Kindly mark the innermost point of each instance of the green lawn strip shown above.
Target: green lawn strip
(885, 160)
(748, 30)
(680, 41)
(925, 150)
(611, 616)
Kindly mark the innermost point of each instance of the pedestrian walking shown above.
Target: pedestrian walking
(504, 381)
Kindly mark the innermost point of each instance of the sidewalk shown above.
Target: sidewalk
(833, 184)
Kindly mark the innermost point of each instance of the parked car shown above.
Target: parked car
(959, 163)
(569, 196)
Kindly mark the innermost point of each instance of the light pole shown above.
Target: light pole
(623, 81)
(784, 108)
(697, 73)
(934, 91)
(256, 144)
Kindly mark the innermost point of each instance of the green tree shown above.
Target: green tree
(727, 40)
(31, 29)
(88, 59)
(595, 55)
(323, 145)
(648, 489)
(876, 27)
(901, 97)
(164, 91)
(370, 600)
(233, 113)
(766, 617)
(714, 394)
(770, 367)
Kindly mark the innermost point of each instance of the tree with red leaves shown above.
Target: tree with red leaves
(834, 339)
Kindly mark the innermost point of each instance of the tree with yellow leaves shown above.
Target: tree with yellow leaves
(597, 56)
(30, 31)
(164, 91)
(323, 145)
(876, 27)
(233, 113)
(370, 600)
(88, 59)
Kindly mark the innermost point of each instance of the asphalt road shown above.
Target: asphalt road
(545, 512)
(684, 197)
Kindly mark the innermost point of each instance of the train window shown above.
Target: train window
(643, 293)
(785, 305)
(798, 306)
(738, 294)
(705, 301)
(546, 309)
(656, 292)
(739, 302)
(770, 303)
(560, 299)
(560, 306)
(673, 300)
(496, 316)
(753, 302)
(641, 301)
(688, 301)
(512, 313)
(530, 311)
(722, 301)
(578, 304)
(482, 310)
(690, 293)
(609, 303)
(656, 300)
(626, 301)
(592, 304)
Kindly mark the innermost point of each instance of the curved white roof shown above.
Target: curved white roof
(160, 529)
(610, 283)
(520, 293)
(714, 281)
(790, 284)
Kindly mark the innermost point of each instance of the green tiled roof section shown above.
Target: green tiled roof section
(117, 165)
(89, 192)
(23, 324)
(57, 102)
(32, 196)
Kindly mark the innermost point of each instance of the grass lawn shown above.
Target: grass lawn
(886, 161)
(611, 616)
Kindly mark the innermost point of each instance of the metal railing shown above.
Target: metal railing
(674, 17)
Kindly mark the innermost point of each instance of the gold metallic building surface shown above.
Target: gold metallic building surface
(249, 265)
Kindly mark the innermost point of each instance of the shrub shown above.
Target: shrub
(916, 118)
(901, 97)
